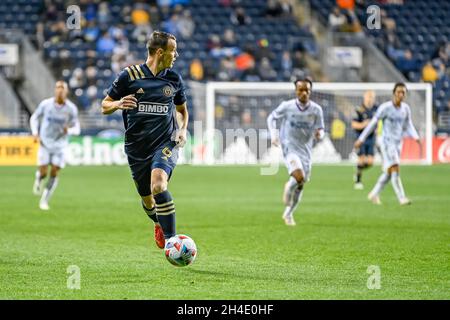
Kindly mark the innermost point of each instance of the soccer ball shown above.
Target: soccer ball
(180, 250)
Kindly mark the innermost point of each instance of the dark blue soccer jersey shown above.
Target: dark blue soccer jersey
(362, 114)
(153, 122)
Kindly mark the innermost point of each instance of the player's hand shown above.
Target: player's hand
(36, 139)
(127, 103)
(181, 137)
(276, 142)
(358, 144)
(65, 130)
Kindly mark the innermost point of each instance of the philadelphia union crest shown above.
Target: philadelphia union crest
(168, 91)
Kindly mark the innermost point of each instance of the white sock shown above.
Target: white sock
(381, 183)
(49, 189)
(38, 179)
(397, 185)
(295, 200)
(290, 188)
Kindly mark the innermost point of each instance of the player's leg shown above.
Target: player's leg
(165, 207)
(360, 166)
(398, 186)
(41, 174)
(385, 177)
(43, 160)
(294, 187)
(163, 164)
(148, 204)
(141, 171)
(50, 187)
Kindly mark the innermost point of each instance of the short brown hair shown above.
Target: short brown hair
(158, 39)
(399, 84)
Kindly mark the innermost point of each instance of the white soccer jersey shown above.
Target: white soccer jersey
(297, 124)
(396, 123)
(49, 121)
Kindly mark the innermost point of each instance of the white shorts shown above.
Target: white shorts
(45, 157)
(390, 154)
(294, 162)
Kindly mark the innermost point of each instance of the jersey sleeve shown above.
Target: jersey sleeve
(409, 128)
(35, 117)
(119, 87)
(279, 112)
(180, 95)
(74, 123)
(319, 123)
(379, 115)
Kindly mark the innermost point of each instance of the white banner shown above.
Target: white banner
(9, 54)
(345, 57)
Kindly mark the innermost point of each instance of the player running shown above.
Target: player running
(149, 96)
(396, 118)
(365, 153)
(54, 119)
(300, 121)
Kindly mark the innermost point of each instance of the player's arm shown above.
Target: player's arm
(319, 125)
(370, 127)
(276, 114)
(117, 98)
(366, 132)
(182, 131)
(74, 128)
(181, 107)
(109, 105)
(358, 123)
(410, 129)
(34, 121)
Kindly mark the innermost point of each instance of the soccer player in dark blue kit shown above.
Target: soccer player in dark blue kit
(150, 95)
(363, 115)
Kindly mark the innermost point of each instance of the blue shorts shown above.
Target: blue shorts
(367, 148)
(165, 157)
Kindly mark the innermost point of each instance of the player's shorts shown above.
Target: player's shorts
(367, 148)
(165, 157)
(390, 154)
(46, 157)
(294, 162)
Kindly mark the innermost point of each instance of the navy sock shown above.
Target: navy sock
(151, 213)
(165, 209)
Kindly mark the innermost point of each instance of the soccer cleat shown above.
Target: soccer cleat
(374, 198)
(359, 186)
(289, 220)
(405, 201)
(43, 205)
(159, 237)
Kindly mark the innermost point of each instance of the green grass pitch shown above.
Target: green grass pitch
(234, 215)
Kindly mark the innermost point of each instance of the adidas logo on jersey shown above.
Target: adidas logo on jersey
(140, 90)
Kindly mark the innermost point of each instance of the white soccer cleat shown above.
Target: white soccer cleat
(374, 199)
(44, 205)
(405, 201)
(359, 186)
(289, 219)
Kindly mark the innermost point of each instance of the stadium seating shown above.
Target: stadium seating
(69, 51)
(421, 26)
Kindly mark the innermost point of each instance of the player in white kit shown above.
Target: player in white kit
(396, 118)
(299, 121)
(54, 119)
